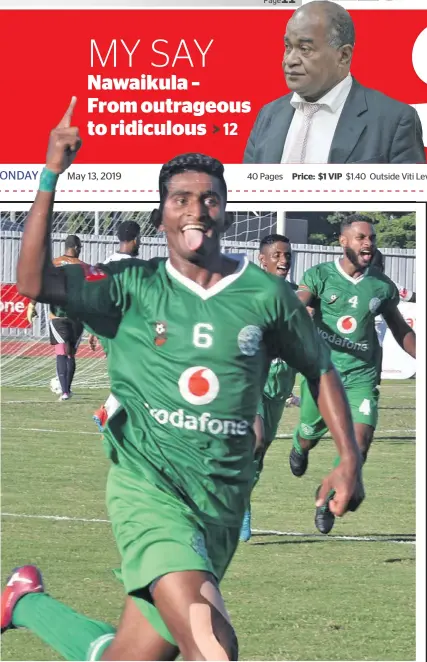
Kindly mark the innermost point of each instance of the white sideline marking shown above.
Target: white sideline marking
(57, 518)
(377, 432)
(44, 402)
(262, 532)
(279, 436)
(49, 430)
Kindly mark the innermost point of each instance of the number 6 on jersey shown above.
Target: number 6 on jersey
(200, 337)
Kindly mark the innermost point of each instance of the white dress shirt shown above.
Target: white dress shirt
(323, 124)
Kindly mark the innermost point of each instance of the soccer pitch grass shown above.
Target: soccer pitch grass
(296, 595)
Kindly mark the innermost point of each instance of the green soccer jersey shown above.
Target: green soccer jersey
(188, 366)
(280, 380)
(344, 313)
(57, 311)
(281, 377)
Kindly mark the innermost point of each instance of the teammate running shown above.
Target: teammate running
(189, 341)
(275, 257)
(129, 235)
(346, 296)
(65, 333)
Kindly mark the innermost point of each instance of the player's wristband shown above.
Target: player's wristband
(48, 180)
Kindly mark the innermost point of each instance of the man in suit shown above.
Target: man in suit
(328, 117)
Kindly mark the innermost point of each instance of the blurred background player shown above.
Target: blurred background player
(405, 295)
(65, 333)
(129, 235)
(180, 476)
(275, 257)
(346, 296)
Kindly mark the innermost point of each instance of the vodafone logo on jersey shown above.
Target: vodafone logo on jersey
(346, 324)
(198, 385)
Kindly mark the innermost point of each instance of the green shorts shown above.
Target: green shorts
(157, 533)
(271, 412)
(363, 400)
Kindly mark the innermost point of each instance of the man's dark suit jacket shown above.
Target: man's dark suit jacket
(372, 128)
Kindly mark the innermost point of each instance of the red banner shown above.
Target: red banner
(219, 66)
(13, 308)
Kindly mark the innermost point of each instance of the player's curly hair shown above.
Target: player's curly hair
(354, 218)
(191, 161)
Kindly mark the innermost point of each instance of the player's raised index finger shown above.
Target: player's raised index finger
(66, 120)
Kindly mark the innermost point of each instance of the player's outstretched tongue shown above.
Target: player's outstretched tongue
(193, 238)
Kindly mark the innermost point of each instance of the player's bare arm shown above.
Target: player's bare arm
(31, 311)
(346, 478)
(305, 296)
(36, 276)
(402, 332)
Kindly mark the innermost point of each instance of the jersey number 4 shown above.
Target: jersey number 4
(365, 407)
(200, 337)
(353, 301)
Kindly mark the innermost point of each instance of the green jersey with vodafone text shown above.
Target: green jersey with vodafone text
(344, 314)
(188, 366)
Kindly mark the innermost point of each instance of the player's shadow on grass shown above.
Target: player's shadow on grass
(394, 408)
(318, 537)
(391, 536)
(287, 542)
(395, 440)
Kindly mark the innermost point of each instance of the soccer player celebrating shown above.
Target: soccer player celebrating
(189, 342)
(129, 235)
(275, 257)
(65, 333)
(346, 296)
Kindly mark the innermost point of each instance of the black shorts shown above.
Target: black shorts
(65, 330)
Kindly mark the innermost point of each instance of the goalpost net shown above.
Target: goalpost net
(27, 358)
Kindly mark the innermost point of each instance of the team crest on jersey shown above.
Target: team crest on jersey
(346, 324)
(332, 298)
(249, 339)
(374, 304)
(161, 329)
(198, 385)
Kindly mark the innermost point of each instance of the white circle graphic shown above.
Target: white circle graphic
(346, 324)
(198, 385)
(419, 58)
